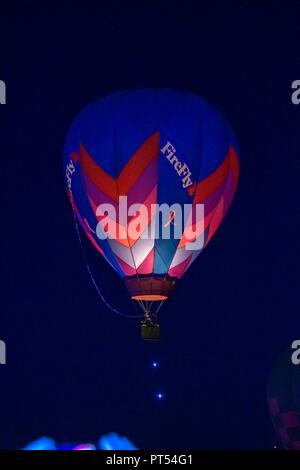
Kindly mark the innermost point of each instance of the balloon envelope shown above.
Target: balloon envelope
(152, 147)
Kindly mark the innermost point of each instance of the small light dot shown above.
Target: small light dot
(154, 364)
(159, 396)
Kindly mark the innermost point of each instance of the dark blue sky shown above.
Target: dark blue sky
(74, 370)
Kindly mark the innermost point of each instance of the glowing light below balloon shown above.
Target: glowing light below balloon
(85, 447)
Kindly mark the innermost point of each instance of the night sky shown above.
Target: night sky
(74, 370)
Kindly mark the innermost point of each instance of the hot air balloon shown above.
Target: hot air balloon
(283, 397)
(150, 149)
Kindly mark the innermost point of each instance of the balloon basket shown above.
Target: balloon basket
(150, 333)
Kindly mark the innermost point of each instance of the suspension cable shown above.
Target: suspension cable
(93, 278)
